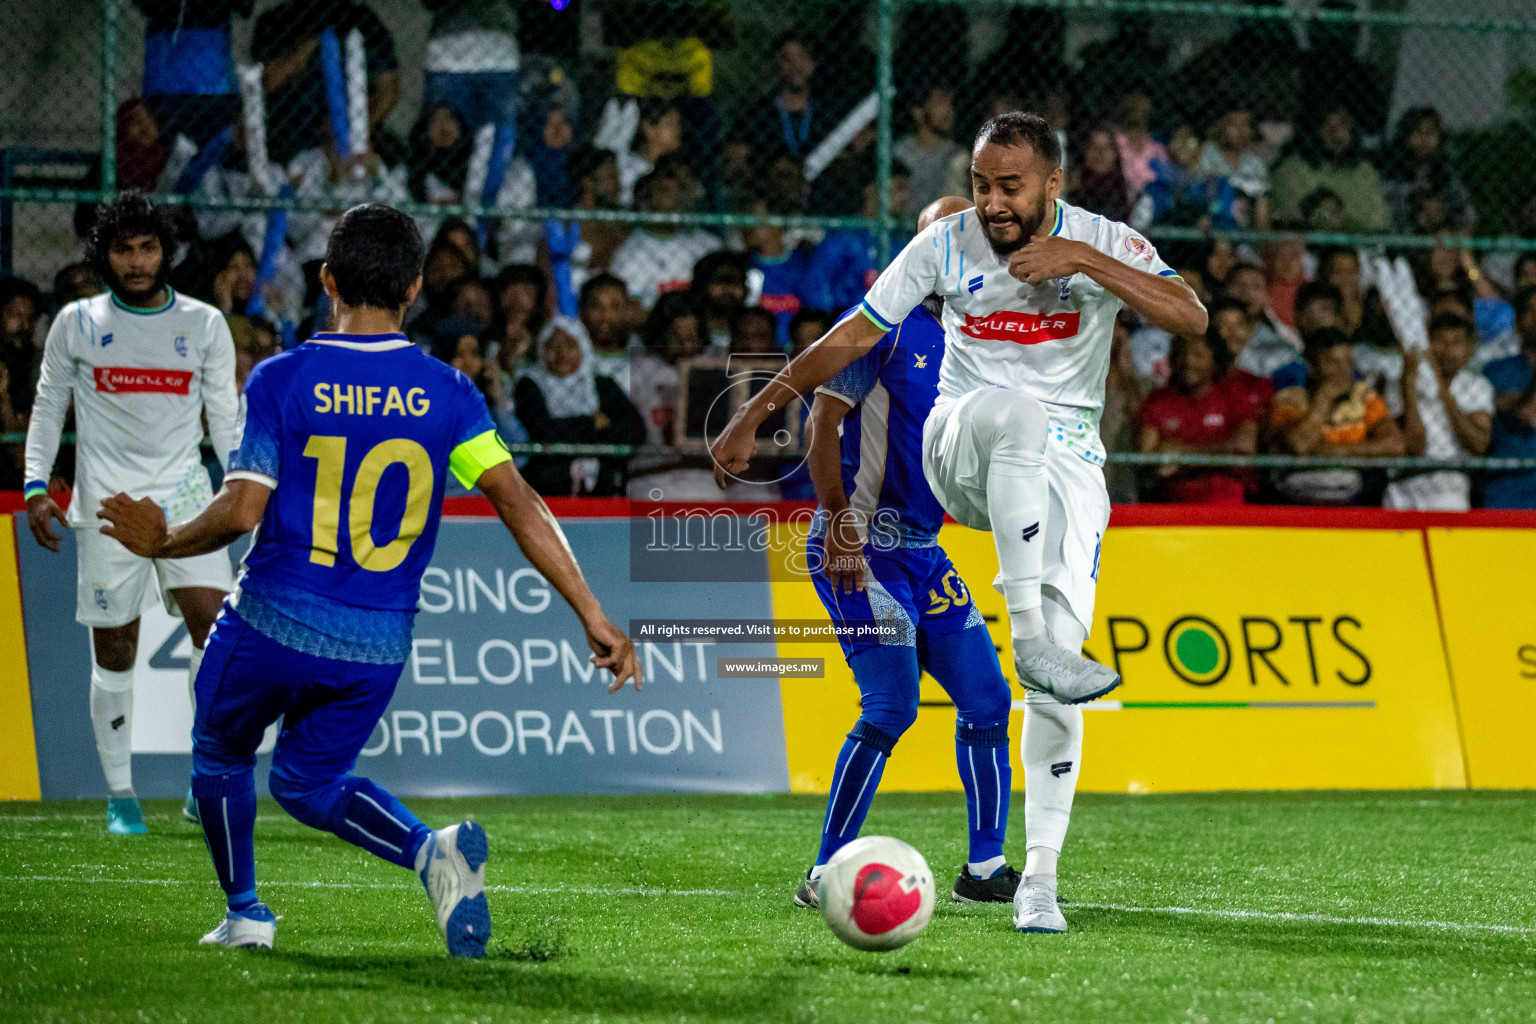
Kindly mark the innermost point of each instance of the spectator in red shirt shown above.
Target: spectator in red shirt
(1195, 413)
(1233, 331)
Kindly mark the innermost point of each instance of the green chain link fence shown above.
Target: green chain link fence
(1402, 129)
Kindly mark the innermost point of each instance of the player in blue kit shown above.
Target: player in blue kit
(874, 554)
(345, 447)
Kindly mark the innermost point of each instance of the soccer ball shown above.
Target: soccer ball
(876, 893)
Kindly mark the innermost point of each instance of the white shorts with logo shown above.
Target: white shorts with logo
(956, 469)
(112, 580)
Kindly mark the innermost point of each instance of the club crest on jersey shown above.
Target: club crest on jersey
(922, 363)
(100, 594)
(180, 345)
(974, 284)
(1139, 248)
(1022, 328)
(1066, 287)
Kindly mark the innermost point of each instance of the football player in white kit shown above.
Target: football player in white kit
(1030, 286)
(143, 365)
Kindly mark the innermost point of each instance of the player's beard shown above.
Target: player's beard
(1027, 229)
(138, 299)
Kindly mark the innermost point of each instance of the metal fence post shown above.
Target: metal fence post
(885, 19)
(108, 98)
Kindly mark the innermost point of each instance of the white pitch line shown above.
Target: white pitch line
(554, 890)
(1383, 922)
(535, 890)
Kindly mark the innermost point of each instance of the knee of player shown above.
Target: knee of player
(881, 736)
(1013, 416)
(989, 708)
(307, 799)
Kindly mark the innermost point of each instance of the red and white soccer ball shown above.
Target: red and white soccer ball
(876, 893)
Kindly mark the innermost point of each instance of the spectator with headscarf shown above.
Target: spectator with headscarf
(562, 399)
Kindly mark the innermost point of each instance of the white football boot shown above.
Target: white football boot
(1035, 909)
(1045, 666)
(252, 927)
(453, 871)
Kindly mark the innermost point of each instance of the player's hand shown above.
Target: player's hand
(41, 510)
(732, 451)
(845, 554)
(138, 526)
(612, 650)
(1047, 257)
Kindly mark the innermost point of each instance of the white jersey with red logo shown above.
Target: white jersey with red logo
(1049, 340)
(141, 381)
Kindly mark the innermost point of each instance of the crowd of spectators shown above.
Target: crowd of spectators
(576, 335)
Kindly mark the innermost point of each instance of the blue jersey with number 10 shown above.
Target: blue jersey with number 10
(355, 435)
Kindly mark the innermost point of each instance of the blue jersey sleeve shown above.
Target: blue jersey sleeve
(858, 378)
(476, 445)
(258, 452)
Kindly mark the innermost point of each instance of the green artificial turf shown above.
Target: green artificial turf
(671, 908)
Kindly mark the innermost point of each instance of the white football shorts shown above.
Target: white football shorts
(112, 580)
(956, 469)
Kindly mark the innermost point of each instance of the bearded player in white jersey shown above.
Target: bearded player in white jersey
(143, 366)
(1031, 287)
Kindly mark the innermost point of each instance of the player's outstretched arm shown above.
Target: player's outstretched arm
(831, 353)
(140, 526)
(541, 540)
(1167, 302)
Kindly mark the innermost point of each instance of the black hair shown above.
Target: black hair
(455, 225)
(1321, 340)
(1318, 289)
(522, 273)
(597, 282)
(1520, 261)
(1333, 252)
(746, 312)
(1017, 128)
(1246, 265)
(61, 279)
(1523, 299)
(810, 315)
(20, 288)
(1178, 355)
(375, 255)
(128, 216)
(1224, 303)
(1314, 200)
(783, 39)
(670, 306)
(712, 263)
(1450, 322)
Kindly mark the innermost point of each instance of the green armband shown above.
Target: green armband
(477, 455)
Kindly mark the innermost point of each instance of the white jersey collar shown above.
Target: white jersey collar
(364, 342)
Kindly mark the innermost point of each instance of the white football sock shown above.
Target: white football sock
(987, 868)
(1040, 863)
(816, 871)
(1052, 746)
(112, 719)
(196, 663)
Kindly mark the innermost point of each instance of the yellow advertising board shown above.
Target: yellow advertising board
(1486, 581)
(18, 749)
(1253, 658)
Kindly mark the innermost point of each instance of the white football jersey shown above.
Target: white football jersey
(141, 381)
(1049, 340)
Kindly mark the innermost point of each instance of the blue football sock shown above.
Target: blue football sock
(376, 821)
(227, 804)
(854, 782)
(982, 757)
(356, 809)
